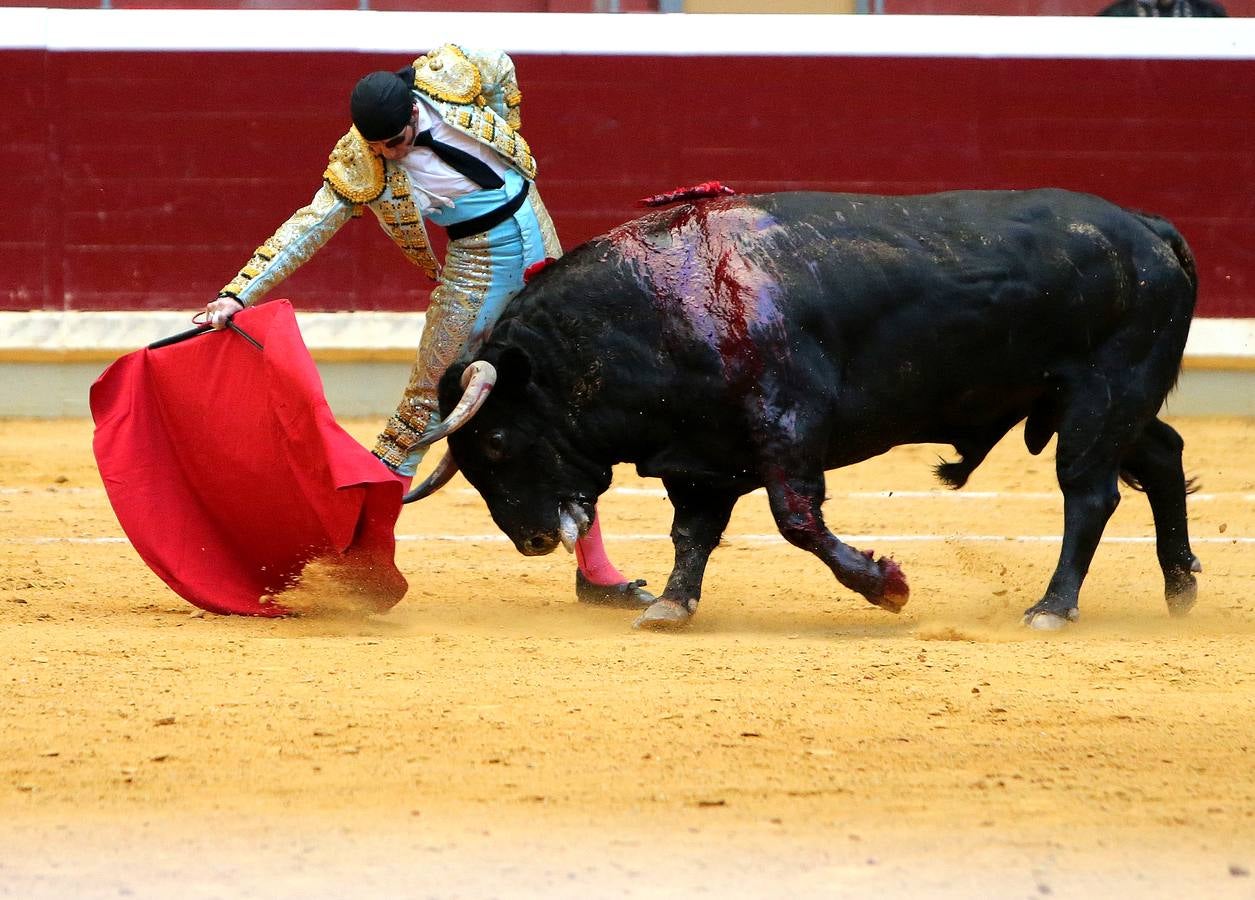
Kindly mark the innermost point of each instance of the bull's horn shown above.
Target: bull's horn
(477, 381)
(439, 477)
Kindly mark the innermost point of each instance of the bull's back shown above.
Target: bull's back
(957, 289)
(1008, 258)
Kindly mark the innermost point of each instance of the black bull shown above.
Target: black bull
(756, 341)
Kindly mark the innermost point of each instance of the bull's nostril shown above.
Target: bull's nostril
(536, 543)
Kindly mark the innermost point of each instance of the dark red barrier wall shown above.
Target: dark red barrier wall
(897, 7)
(144, 180)
(1234, 8)
(501, 6)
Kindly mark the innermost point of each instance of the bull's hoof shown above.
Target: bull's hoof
(1181, 601)
(624, 595)
(896, 591)
(1047, 620)
(1181, 594)
(664, 615)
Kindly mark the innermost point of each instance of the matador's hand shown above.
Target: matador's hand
(217, 312)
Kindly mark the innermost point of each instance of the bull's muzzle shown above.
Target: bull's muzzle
(539, 544)
(573, 524)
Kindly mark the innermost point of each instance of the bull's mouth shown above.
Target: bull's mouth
(575, 517)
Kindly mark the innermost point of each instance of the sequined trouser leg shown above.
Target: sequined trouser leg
(481, 273)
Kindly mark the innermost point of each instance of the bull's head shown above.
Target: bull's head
(514, 448)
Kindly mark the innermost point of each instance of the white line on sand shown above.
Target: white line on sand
(661, 492)
(732, 539)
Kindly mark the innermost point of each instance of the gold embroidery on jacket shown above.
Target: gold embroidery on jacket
(489, 128)
(398, 182)
(400, 217)
(353, 171)
(446, 74)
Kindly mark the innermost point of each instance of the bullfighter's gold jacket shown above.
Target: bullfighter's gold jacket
(475, 92)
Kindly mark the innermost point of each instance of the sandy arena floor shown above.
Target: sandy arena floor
(492, 738)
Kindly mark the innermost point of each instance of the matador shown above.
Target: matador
(437, 141)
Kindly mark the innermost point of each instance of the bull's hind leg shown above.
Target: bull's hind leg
(795, 504)
(701, 515)
(1154, 466)
(1089, 499)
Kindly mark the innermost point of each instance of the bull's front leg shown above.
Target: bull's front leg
(795, 503)
(701, 515)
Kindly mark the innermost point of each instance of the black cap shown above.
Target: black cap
(381, 105)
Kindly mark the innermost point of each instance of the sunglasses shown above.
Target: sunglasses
(398, 140)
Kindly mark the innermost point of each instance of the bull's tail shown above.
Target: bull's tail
(1191, 484)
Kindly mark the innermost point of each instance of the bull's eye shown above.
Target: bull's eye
(495, 444)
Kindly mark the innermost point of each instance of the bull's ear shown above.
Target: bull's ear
(456, 371)
(514, 368)
(451, 382)
(449, 390)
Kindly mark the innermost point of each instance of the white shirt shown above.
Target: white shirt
(437, 183)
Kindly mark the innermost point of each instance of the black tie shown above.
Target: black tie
(462, 162)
